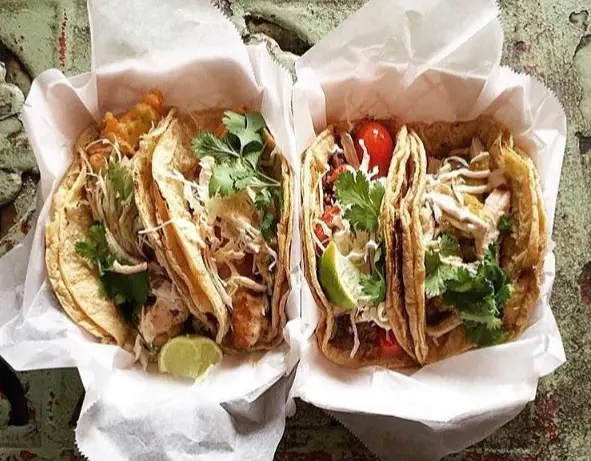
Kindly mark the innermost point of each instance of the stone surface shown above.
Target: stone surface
(10, 186)
(547, 38)
(11, 97)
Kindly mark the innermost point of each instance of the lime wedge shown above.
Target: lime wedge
(339, 278)
(188, 356)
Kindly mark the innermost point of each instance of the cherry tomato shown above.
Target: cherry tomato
(387, 343)
(379, 145)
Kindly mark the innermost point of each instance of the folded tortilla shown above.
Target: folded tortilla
(333, 331)
(245, 322)
(79, 203)
(75, 283)
(521, 250)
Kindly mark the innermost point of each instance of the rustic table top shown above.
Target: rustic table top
(547, 38)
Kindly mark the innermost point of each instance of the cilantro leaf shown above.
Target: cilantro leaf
(263, 199)
(269, 226)
(373, 286)
(86, 249)
(244, 129)
(503, 294)
(437, 274)
(352, 188)
(122, 179)
(237, 156)
(222, 181)
(505, 224)
(482, 336)
(267, 198)
(95, 248)
(252, 156)
(361, 200)
(448, 246)
(209, 145)
(128, 292)
(435, 283)
(478, 296)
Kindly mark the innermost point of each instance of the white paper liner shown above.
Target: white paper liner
(429, 60)
(194, 54)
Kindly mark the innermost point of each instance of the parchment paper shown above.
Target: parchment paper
(193, 53)
(429, 60)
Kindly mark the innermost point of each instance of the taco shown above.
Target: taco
(223, 198)
(475, 236)
(348, 174)
(109, 277)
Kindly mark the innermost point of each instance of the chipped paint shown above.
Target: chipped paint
(545, 417)
(522, 46)
(62, 45)
(585, 284)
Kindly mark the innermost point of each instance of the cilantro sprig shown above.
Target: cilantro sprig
(361, 199)
(237, 156)
(478, 296)
(505, 224)
(374, 286)
(128, 292)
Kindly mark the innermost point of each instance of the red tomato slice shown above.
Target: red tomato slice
(388, 344)
(378, 142)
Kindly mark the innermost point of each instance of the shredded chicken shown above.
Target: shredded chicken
(496, 205)
(452, 191)
(427, 223)
(449, 323)
(229, 228)
(163, 319)
(464, 218)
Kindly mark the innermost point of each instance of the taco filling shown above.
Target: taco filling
(465, 215)
(115, 245)
(234, 196)
(347, 233)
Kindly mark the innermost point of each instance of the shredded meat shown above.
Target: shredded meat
(163, 320)
(333, 175)
(367, 332)
(248, 318)
(337, 166)
(496, 205)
